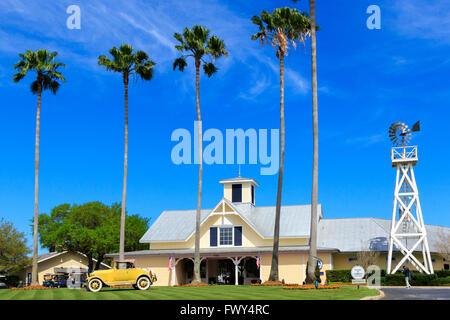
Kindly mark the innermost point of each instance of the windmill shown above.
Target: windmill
(408, 233)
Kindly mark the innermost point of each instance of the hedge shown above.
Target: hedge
(441, 277)
(442, 273)
(339, 275)
(11, 281)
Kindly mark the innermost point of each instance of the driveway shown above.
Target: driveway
(417, 293)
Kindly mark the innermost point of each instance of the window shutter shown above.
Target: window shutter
(213, 237)
(238, 236)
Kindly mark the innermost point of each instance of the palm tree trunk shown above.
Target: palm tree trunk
(276, 233)
(197, 262)
(34, 268)
(314, 192)
(125, 174)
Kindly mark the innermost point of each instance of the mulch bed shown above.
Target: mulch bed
(201, 284)
(312, 287)
(32, 288)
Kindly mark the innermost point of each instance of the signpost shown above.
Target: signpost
(358, 273)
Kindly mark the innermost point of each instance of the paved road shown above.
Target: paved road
(416, 294)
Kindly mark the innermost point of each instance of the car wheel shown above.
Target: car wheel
(95, 285)
(143, 283)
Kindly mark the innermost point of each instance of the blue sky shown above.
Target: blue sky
(367, 80)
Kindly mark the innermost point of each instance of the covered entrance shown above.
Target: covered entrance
(219, 270)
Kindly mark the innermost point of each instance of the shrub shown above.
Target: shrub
(442, 273)
(418, 279)
(339, 275)
(12, 281)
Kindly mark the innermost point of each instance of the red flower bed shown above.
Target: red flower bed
(312, 287)
(274, 283)
(32, 288)
(201, 284)
(349, 284)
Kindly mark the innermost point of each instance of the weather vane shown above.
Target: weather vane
(400, 134)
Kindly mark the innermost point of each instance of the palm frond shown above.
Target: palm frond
(282, 26)
(197, 43)
(180, 63)
(43, 63)
(209, 69)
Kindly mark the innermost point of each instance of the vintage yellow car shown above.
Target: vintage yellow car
(122, 273)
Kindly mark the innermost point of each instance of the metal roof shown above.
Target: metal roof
(218, 251)
(239, 179)
(356, 234)
(346, 235)
(174, 226)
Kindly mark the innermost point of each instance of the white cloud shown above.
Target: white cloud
(147, 25)
(423, 19)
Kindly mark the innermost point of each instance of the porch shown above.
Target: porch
(223, 270)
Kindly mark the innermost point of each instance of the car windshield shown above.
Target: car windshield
(124, 265)
(121, 265)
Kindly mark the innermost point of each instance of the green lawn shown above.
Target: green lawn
(191, 293)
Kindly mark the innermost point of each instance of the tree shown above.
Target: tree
(277, 29)
(128, 63)
(13, 249)
(311, 277)
(367, 257)
(91, 228)
(198, 44)
(46, 68)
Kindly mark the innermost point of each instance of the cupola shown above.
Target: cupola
(239, 190)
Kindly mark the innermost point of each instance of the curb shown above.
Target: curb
(378, 297)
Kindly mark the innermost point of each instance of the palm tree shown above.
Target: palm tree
(128, 63)
(312, 259)
(277, 29)
(44, 65)
(198, 44)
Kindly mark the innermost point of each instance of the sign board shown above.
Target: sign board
(358, 281)
(319, 263)
(358, 272)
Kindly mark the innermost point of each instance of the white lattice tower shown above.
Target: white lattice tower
(408, 233)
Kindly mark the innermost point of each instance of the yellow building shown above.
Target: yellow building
(236, 234)
(50, 263)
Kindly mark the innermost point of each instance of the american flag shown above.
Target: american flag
(258, 260)
(170, 262)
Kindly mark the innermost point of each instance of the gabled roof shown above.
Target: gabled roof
(355, 234)
(47, 256)
(178, 226)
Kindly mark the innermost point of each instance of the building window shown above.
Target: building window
(393, 259)
(236, 193)
(226, 236)
(253, 194)
(446, 266)
(352, 260)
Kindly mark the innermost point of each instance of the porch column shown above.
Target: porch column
(236, 282)
(260, 267)
(174, 271)
(236, 261)
(207, 272)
